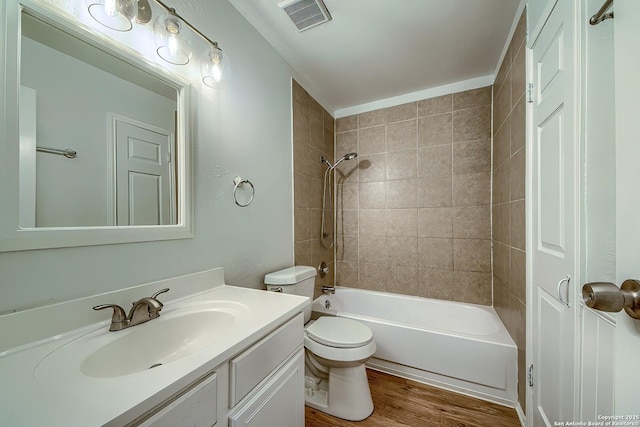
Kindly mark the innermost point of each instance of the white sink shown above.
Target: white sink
(178, 334)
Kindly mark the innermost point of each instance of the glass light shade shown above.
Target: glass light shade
(171, 43)
(215, 67)
(115, 14)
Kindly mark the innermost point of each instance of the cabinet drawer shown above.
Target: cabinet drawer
(254, 364)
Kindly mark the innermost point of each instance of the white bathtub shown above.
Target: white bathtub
(457, 346)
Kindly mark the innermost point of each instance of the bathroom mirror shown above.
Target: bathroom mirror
(95, 147)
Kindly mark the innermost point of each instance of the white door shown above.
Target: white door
(143, 171)
(554, 195)
(627, 91)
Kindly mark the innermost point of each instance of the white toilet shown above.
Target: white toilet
(336, 349)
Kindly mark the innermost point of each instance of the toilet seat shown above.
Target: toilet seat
(339, 332)
(339, 340)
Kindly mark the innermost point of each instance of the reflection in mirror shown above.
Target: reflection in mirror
(119, 119)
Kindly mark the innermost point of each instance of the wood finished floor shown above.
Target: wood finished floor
(401, 402)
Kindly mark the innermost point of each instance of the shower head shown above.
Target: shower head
(348, 156)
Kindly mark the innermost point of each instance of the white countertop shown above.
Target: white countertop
(69, 398)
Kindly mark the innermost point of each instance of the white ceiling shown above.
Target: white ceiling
(377, 49)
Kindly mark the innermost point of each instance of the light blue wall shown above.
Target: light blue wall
(246, 131)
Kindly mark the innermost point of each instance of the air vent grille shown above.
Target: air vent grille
(306, 14)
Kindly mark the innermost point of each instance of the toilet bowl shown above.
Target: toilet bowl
(336, 350)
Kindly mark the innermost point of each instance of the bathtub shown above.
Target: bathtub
(460, 347)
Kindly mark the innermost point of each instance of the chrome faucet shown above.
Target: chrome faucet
(142, 311)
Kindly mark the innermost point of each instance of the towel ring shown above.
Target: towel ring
(238, 181)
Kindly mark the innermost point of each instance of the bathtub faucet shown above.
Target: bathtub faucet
(328, 289)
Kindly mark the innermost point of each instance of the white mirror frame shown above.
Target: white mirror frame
(14, 238)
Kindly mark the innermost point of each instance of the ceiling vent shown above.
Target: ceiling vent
(306, 14)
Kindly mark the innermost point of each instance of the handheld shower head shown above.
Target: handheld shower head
(348, 156)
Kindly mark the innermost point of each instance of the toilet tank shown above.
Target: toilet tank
(298, 280)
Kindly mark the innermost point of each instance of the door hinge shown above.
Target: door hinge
(529, 92)
(530, 376)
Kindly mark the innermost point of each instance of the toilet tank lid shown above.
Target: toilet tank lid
(289, 276)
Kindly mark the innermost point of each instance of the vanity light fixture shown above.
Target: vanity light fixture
(214, 64)
(173, 43)
(118, 15)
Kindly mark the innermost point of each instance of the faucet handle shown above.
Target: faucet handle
(161, 291)
(119, 317)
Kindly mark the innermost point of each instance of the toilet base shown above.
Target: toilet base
(344, 395)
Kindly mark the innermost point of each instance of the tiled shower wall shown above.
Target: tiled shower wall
(313, 137)
(413, 209)
(509, 196)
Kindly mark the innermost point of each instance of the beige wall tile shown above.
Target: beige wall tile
(435, 161)
(402, 112)
(372, 140)
(347, 222)
(372, 250)
(435, 222)
(436, 283)
(371, 167)
(472, 98)
(435, 130)
(472, 222)
(504, 227)
(472, 287)
(501, 144)
(502, 104)
(402, 222)
(437, 105)
(517, 224)
(302, 224)
(316, 132)
(472, 255)
(402, 251)
(434, 192)
(502, 75)
(518, 75)
(501, 183)
(374, 276)
(347, 248)
(472, 189)
(344, 124)
(517, 167)
(435, 253)
(372, 195)
(347, 196)
(347, 172)
(402, 135)
(517, 272)
(372, 118)
(401, 164)
(316, 110)
(300, 123)
(329, 121)
(402, 279)
(372, 222)
(501, 261)
(402, 193)
(302, 255)
(518, 123)
(472, 157)
(347, 274)
(346, 142)
(472, 124)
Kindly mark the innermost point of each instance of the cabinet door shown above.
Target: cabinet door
(280, 402)
(195, 408)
